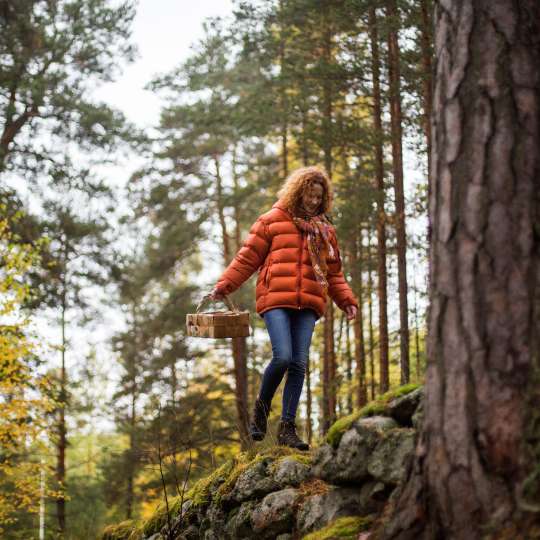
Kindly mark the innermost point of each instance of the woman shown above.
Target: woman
(295, 247)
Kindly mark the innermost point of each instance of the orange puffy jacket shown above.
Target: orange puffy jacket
(279, 249)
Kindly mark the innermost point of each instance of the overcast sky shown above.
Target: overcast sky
(163, 31)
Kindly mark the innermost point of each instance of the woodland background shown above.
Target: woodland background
(97, 422)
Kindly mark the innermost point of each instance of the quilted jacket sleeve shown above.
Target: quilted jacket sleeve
(338, 288)
(250, 256)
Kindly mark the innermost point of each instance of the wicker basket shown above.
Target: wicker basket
(218, 324)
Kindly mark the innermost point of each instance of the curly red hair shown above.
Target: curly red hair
(299, 180)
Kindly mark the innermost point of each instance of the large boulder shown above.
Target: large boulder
(319, 510)
(238, 524)
(275, 514)
(389, 459)
(256, 481)
(348, 463)
(212, 525)
(402, 408)
(288, 471)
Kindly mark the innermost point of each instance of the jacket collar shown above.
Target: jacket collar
(279, 204)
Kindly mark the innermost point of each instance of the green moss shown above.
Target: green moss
(344, 527)
(158, 519)
(199, 493)
(121, 531)
(248, 459)
(301, 457)
(377, 407)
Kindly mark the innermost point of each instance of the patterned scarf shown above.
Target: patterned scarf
(317, 228)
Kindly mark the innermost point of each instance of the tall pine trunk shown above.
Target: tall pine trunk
(381, 214)
(475, 471)
(239, 346)
(329, 360)
(283, 98)
(348, 372)
(426, 40)
(62, 436)
(397, 167)
(370, 323)
(358, 323)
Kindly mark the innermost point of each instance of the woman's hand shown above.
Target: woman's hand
(351, 310)
(215, 295)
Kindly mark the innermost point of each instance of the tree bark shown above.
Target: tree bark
(472, 475)
(397, 166)
(381, 215)
(62, 437)
(309, 401)
(426, 43)
(370, 322)
(348, 372)
(283, 97)
(358, 323)
(239, 346)
(329, 397)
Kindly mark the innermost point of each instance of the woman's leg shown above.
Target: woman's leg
(278, 324)
(302, 325)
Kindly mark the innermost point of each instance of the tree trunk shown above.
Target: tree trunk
(227, 256)
(309, 413)
(348, 366)
(62, 438)
(381, 215)
(239, 347)
(358, 323)
(327, 139)
(416, 330)
(370, 320)
(426, 43)
(240, 376)
(131, 458)
(473, 474)
(329, 397)
(397, 166)
(283, 97)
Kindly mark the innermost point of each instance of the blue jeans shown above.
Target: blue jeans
(290, 334)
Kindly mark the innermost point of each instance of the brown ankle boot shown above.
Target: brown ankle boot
(287, 436)
(257, 428)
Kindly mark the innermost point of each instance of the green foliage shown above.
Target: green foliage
(23, 391)
(345, 527)
(376, 407)
(52, 54)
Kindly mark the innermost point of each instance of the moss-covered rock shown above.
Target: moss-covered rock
(289, 471)
(403, 407)
(159, 518)
(346, 528)
(275, 514)
(125, 530)
(388, 460)
(319, 510)
(348, 463)
(376, 408)
(247, 460)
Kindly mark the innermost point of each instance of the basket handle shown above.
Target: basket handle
(226, 300)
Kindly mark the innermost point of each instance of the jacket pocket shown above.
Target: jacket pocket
(266, 277)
